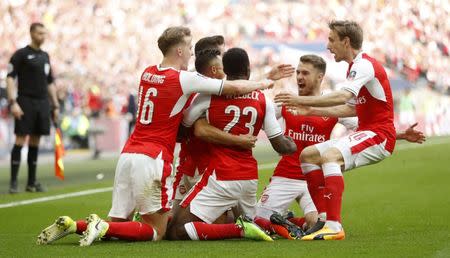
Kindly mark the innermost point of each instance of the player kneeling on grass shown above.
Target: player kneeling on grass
(143, 177)
(232, 174)
(194, 152)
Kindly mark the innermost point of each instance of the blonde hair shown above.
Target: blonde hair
(171, 37)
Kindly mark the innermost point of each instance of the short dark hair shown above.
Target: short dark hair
(236, 62)
(171, 37)
(209, 42)
(204, 58)
(35, 25)
(349, 29)
(316, 61)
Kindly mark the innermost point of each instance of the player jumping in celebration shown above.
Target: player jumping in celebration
(231, 177)
(143, 174)
(366, 94)
(288, 183)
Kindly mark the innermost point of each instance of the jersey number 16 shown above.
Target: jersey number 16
(147, 105)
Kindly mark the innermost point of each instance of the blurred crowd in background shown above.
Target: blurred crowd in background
(98, 48)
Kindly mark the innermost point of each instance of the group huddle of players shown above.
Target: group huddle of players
(216, 113)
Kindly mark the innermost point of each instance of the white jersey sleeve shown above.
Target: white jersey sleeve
(196, 110)
(193, 82)
(360, 73)
(351, 123)
(270, 125)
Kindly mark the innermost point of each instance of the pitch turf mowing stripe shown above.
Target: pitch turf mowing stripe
(85, 192)
(437, 141)
(55, 197)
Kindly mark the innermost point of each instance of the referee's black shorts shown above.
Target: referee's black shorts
(36, 116)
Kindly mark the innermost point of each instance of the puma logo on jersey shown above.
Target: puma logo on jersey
(328, 196)
(153, 78)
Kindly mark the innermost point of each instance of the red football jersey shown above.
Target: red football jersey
(194, 155)
(368, 81)
(305, 131)
(163, 94)
(244, 114)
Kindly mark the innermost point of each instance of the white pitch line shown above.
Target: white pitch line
(81, 193)
(108, 189)
(55, 197)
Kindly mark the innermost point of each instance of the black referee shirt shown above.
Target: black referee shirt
(32, 67)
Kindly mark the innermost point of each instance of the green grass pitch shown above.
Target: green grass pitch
(398, 208)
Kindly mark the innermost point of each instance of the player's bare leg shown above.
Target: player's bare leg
(332, 161)
(176, 230)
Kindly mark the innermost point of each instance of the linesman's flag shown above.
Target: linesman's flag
(59, 154)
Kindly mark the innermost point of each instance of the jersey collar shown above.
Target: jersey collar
(165, 68)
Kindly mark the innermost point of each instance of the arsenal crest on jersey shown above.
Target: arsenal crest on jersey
(351, 76)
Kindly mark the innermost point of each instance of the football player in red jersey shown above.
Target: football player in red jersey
(194, 153)
(231, 177)
(288, 184)
(366, 94)
(143, 178)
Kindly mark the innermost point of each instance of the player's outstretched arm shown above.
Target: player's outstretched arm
(197, 83)
(337, 111)
(335, 98)
(209, 133)
(284, 145)
(411, 135)
(238, 87)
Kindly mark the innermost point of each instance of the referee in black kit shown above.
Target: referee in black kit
(31, 109)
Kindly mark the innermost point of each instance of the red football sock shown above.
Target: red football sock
(130, 230)
(81, 226)
(333, 195)
(264, 223)
(316, 185)
(204, 231)
(298, 221)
